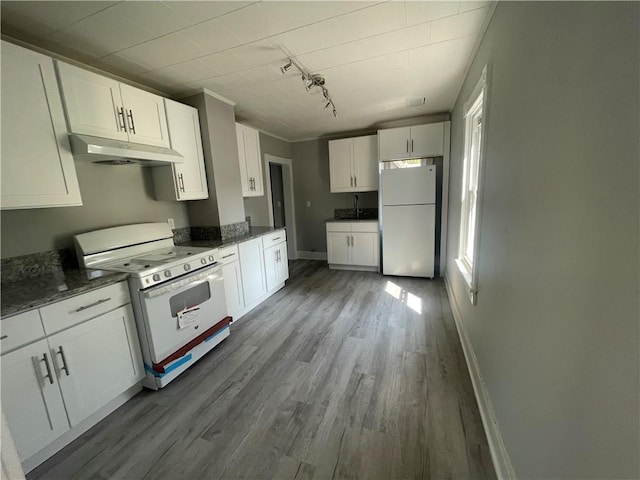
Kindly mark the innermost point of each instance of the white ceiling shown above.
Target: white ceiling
(373, 55)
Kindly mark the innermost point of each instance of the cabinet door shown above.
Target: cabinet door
(32, 404)
(282, 265)
(92, 102)
(364, 250)
(252, 270)
(242, 158)
(427, 140)
(37, 165)
(254, 162)
(271, 266)
(338, 248)
(365, 163)
(394, 143)
(340, 165)
(184, 132)
(145, 115)
(96, 361)
(233, 288)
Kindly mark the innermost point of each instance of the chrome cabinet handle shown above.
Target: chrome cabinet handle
(227, 256)
(65, 366)
(352, 240)
(355, 181)
(132, 125)
(407, 145)
(94, 304)
(351, 181)
(45, 359)
(3, 337)
(123, 124)
(412, 145)
(181, 182)
(347, 240)
(274, 239)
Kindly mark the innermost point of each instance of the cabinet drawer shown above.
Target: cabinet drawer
(338, 226)
(369, 227)
(274, 238)
(20, 330)
(229, 254)
(66, 313)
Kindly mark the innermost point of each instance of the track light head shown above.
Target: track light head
(286, 67)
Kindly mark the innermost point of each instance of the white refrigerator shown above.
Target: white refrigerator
(408, 198)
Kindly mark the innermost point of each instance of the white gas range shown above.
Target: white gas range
(177, 293)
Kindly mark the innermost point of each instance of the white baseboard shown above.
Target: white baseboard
(499, 454)
(312, 255)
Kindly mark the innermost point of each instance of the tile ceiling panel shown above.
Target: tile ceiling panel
(373, 55)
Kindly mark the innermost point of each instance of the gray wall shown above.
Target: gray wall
(555, 329)
(217, 124)
(111, 195)
(256, 207)
(311, 183)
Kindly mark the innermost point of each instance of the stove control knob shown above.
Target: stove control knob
(203, 261)
(167, 273)
(156, 277)
(187, 267)
(211, 258)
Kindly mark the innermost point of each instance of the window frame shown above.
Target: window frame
(475, 106)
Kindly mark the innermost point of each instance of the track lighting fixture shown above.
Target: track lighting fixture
(310, 80)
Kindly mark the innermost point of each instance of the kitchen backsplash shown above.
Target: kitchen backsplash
(36, 264)
(348, 213)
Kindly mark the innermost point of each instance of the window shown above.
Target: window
(471, 184)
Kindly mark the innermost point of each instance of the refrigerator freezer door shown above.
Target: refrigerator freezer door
(409, 186)
(408, 240)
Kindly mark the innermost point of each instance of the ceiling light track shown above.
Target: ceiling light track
(311, 80)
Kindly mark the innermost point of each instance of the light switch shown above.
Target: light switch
(308, 203)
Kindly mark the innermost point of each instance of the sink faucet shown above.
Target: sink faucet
(355, 204)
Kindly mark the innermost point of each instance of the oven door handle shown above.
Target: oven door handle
(181, 282)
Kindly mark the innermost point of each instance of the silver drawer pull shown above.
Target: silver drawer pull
(3, 337)
(45, 359)
(274, 239)
(92, 304)
(227, 256)
(65, 367)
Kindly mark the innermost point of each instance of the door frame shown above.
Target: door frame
(289, 200)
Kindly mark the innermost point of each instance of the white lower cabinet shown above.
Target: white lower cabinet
(51, 385)
(254, 284)
(275, 265)
(102, 344)
(353, 245)
(31, 398)
(232, 281)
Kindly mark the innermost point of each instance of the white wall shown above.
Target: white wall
(555, 329)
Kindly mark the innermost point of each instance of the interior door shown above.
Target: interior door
(32, 403)
(99, 360)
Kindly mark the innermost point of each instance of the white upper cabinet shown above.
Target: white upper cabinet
(37, 164)
(411, 142)
(250, 161)
(353, 164)
(102, 107)
(187, 180)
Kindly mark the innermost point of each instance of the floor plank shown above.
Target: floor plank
(341, 374)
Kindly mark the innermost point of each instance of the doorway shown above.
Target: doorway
(277, 195)
(280, 200)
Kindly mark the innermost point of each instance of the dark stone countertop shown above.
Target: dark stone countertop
(34, 292)
(254, 232)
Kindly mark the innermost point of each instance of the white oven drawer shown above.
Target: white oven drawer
(229, 254)
(274, 238)
(74, 310)
(20, 329)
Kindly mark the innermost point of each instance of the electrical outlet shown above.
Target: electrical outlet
(171, 223)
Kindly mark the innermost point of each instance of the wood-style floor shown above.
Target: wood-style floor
(339, 375)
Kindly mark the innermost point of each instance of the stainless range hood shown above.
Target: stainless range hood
(115, 152)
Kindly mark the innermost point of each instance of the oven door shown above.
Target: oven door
(178, 311)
